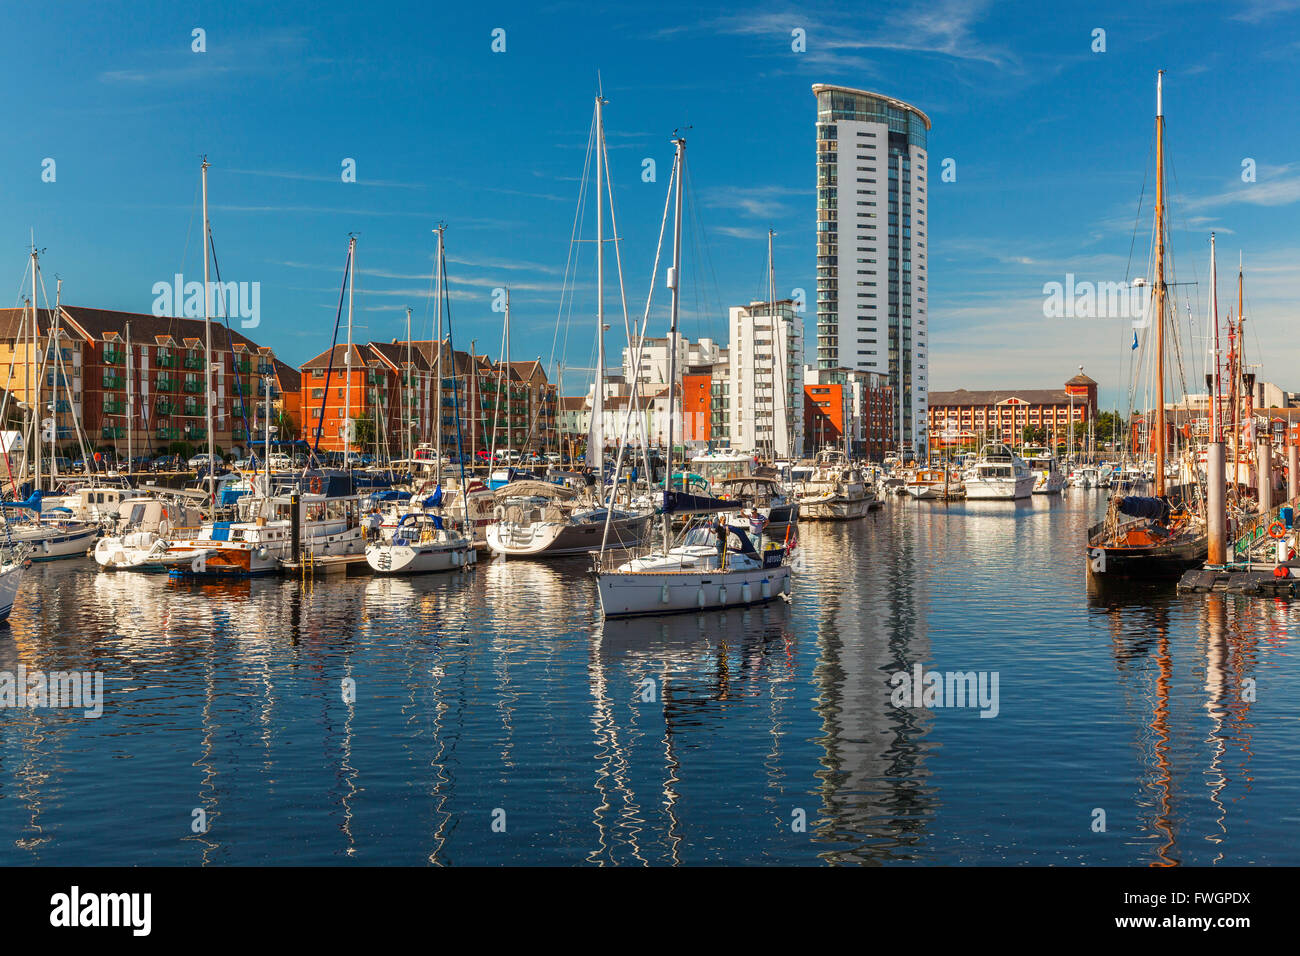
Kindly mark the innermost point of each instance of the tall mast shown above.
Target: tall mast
(34, 377)
(1214, 318)
(438, 406)
(130, 398)
(674, 283)
(1160, 287)
(347, 359)
(596, 456)
(407, 451)
(209, 392)
(771, 312)
(510, 422)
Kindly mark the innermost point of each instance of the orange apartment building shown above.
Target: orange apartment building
(397, 405)
(960, 418)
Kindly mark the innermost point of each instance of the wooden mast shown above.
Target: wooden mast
(1160, 287)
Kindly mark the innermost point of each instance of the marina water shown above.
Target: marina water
(490, 717)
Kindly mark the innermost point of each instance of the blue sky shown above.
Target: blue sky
(1051, 142)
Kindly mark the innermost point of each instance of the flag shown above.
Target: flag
(1135, 341)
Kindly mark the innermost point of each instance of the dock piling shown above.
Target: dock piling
(1216, 502)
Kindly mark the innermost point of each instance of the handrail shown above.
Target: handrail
(1257, 527)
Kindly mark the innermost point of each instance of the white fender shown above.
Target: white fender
(663, 594)
(746, 593)
(766, 589)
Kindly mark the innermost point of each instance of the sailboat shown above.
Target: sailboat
(1164, 534)
(718, 566)
(539, 519)
(423, 540)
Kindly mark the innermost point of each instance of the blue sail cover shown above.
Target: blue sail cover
(677, 502)
(1135, 507)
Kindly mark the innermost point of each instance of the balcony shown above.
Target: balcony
(63, 405)
(114, 357)
(239, 388)
(114, 382)
(166, 361)
(163, 408)
(193, 362)
(192, 388)
(239, 434)
(114, 408)
(244, 367)
(193, 410)
(112, 431)
(169, 434)
(265, 368)
(164, 384)
(195, 433)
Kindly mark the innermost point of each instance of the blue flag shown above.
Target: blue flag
(1135, 341)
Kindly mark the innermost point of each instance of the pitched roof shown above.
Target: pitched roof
(1033, 396)
(94, 324)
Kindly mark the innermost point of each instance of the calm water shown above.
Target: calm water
(500, 697)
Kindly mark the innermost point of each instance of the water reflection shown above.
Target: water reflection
(386, 720)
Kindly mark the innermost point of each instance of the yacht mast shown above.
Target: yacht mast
(510, 422)
(596, 434)
(1159, 310)
(208, 390)
(674, 283)
(408, 450)
(438, 406)
(347, 359)
(34, 377)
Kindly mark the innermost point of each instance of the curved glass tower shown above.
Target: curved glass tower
(871, 246)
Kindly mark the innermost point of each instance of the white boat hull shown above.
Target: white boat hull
(11, 579)
(639, 593)
(422, 558)
(1008, 489)
(834, 509)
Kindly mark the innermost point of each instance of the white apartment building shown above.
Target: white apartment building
(872, 173)
(765, 379)
(653, 368)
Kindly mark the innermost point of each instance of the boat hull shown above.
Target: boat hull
(556, 538)
(835, 509)
(11, 579)
(982, 489)
(645, 593)
(420, 559)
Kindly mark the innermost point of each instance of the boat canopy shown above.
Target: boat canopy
(534, 489)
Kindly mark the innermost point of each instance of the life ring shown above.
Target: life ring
(314, 486)
(1277, 530)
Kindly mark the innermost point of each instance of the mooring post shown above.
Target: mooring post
(1264, 475)
(1217, 519)
(295, 524)
(1292, 469)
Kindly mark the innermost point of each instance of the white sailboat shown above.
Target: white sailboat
(425, 541)
(695, 574)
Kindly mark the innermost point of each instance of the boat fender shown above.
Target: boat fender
(722, 594)
(699, 598)
(46, 546)
(1281, 572)
(262, 553)
(746, 593)
(1277, 530)
(787, 585)
(766, 590)
(663, 594)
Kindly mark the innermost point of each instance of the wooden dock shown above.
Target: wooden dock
(1255, 580)
(330, 564)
